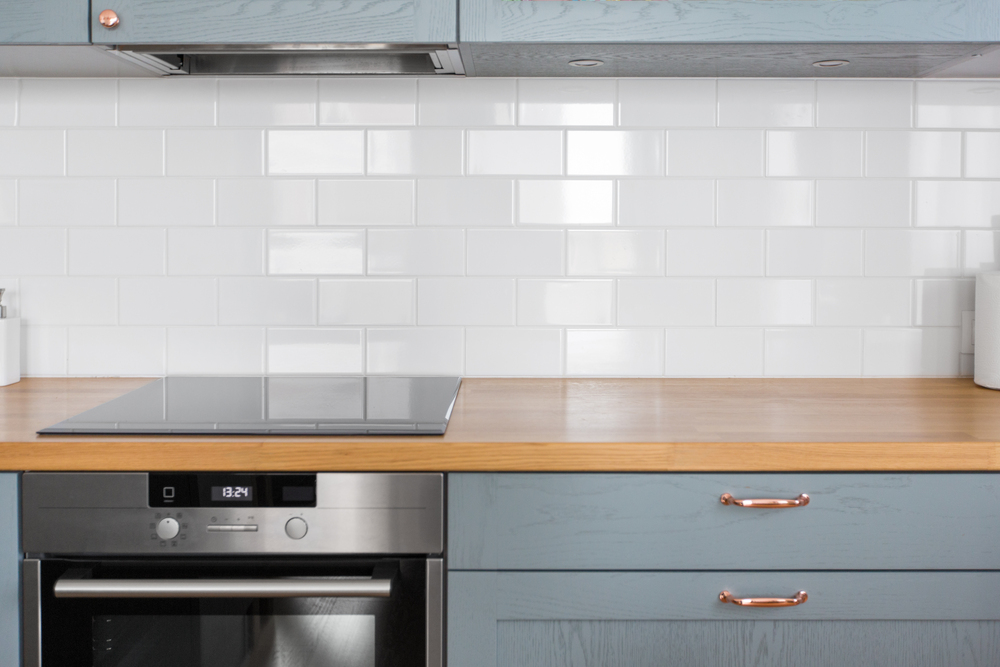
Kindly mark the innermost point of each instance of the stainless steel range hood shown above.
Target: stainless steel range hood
(284, 59)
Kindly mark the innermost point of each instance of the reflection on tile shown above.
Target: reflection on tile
(418, 252)
(715, 252)
(520, 252)
(526, 152)
(715, 352)
(881, 103)
(170, 101)
(83, 202)
(822, 153)
(615, 253)
(444, 101)
(766, 102)
(764, 302)
(981, 252)
(760, 203)
(939, 303)
(67, 102)
(321, 253)
(364, 203)
(423, 351)
(471, 301)
(67, 301)
(912, 352)
(958, 204)
(880, 203)
(349, 101)
(315, 152)
(666, 302)
(31, 153)
(266, 203)
(925, 154)
(114, 152)
(813, 352)
(215, 252)
(511, 352)
(982, 154)
(565, 302)
(167, 301)
(314, 351)
(32, 252)
(366, 302)
(614, 153)
(465, 202)
(253, 101)
(565, 202)
(566, 102)
(911, 253)
(666, 102)
(958, 104)
(814, 252)
(215, 351)
(716, 153)
(673, 203)
(119, 351)
(420, 152)
(267, 301)
(214, 153)
(863, 302)
(111, 252)
(165, 202)
(628, 352)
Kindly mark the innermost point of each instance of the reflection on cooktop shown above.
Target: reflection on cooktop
(274, 406)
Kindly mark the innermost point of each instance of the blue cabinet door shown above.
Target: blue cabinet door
(44, 21)
(10, 569)
(277, 21)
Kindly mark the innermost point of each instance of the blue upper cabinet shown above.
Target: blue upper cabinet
(44, 22)
(276, 21)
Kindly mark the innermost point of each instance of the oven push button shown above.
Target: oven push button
(296, 528)
(168, 528)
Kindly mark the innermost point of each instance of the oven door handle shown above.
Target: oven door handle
(69, 587)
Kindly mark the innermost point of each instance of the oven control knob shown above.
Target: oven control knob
(167, 529)
(296, 528)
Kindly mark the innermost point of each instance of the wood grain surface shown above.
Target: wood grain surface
(568, 425)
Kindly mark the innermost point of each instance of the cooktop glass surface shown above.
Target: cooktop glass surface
(274, 406)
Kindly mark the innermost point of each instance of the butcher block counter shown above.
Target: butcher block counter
(628, 425)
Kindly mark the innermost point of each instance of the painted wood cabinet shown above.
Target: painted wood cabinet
(44, 21)
(10, 572)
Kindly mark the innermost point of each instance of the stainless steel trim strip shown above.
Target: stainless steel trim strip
(223, 588)
(435, 612)
(31, 612)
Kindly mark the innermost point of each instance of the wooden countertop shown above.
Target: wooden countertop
(568, 425)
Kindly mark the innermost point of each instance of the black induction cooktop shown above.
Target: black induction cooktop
(274, 406)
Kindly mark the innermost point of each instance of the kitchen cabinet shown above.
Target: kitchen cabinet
(44, 22)
(10, 568)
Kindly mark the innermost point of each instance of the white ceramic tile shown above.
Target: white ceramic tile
(513, 352)
(921, 154)
(314, 351)
(113, 251)
(614, 152)
(8, 102)
(958, 204)
(119, 351)
(715, 352)
(280, 301)
(875, 203)
(214, 152)
(167, 301)
(564, 202)
(515, 252)
(31, 153)
(420, 152)
(266, 202)
(8, 202)
(940, 303)
(615, 253)
(666, 102)
(879, 103)
(565, 302)
(68, 300)
(814, 252)
(366, 203)
(673, 203)
(822, 153)
(315, 152)
(912, 352)
(761, 203)
(982, 155)
(333, 253)
(66, 203)
(215, 252)
(766, 102)
(764, 302)
(67, 102)
(863, 302)
(171, 101)
(471, 301)
(423, 351)
(43, 351)
(252, 101)
(32, 252)
(366, 302)
(461, 101)
(215, 351)
(715, 153)
(666, 302)
(114, 152)
(165, 202)
(715, 252)
(465, 202)
(812, 352)
(565, 102)
(958, 104)
(419, 252)
(349, 101)
(981, 252)
(627, 352)
(523, 152)
(911, 253)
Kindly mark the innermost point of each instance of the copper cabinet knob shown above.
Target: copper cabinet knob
(108, 18)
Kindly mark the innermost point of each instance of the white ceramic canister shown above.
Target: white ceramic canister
(10, 346)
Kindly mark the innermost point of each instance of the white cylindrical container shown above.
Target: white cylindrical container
(987, 341)
(10, 346)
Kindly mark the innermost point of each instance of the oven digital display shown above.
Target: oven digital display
(232, 490)
(224, 493)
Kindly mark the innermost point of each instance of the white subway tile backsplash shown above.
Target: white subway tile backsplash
(32, 252)
(615, 253)
(315, 351)
(349, 101)
(628, 352)
(214, 252)
(449, 102)
(715, 252)
(167, 301)
(266, 203)
(251, 101)
(715, 352)
(508, 351)
(981, 252)
(170, 101)
(614, 153)
(919, 154)
(67, 102)
(32, 152)
(214, 152)
(418, 252)
(367, 302)
(958, 104)
(166, 202)
(565, 202)
(764, 302)
(423, 351)
(766, 102)
(418, 152)
(113, 251)
(114, 152)
(215, 351)
(881, 203)
(812, 352)
(333, 253)
(715, 153)
(366, 203)
(667, 102)
(912, 352)
(530, 152)
(958, 204)
(673, 203)
(465, 202)
(818, 153)
(940, 303)
(814, 252)
(912, 253)
(77, 301)
(66, 203)
(565, 302)
(516, 252)
(273, 301)
(843, 103)
(666, 302)
(330, 152)
(863, 302)
(8, 202)
(465, 301)
(565, 102)
(43, 351)
(136, 351)
(8, 102)
(982, 154)
(763, 203)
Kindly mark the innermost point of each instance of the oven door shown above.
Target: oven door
(233, 613)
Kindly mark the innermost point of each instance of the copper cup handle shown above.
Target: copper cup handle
(801, 501)
(797, 599)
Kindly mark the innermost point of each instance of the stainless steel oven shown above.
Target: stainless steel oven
(233, 570)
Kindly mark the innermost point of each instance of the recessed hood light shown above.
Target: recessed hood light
(586, 62)
(831, 63)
